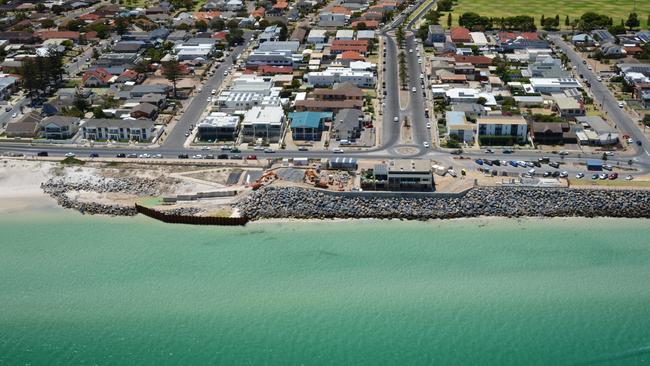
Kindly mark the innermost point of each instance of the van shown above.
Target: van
(344, 142)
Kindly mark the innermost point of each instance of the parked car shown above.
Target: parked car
(269, 151)
(183, 156)
(251, 157)
(42, 153)
(426, 144)
(93, 155)
(303, 148)
(235, 156)
(209, 156)
(70, 155)
(613, 176)
(120, 155)
(580, 175)
(222, 156)
(338, 151)
(132, 156)
(479, 161)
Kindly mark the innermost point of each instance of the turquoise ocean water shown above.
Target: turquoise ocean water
(80, 290)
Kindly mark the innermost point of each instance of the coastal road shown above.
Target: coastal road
(391, 109)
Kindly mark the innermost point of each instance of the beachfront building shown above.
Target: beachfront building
(333, 75)
(264, 123)
(218, 126)
(400, 175)
(117, 129)
(502, 130)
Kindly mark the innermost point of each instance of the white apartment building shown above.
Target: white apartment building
(362, 79)
(265, 123)
(503, 126)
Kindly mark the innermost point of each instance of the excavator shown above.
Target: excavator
(265, 179)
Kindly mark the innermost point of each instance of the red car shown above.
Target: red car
(251, 157)
(613, 176)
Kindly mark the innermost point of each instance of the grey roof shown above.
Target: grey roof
(147, 108)
(59, 121)
(118, 123)
(347, 119)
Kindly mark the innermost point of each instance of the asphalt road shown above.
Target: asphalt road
(603, 96)
(175, 138)
(391, 109)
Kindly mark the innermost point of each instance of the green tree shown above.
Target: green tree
(217, 24)
(201, 25)
(172, 71)
(567, 22)
(449, 20)
(632, 21)
(80, 103)
(121, 25)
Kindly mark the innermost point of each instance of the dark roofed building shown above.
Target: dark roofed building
(347, 125)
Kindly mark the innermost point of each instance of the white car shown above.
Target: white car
(338, 151)
(428, 125)
(70, 155)
(209, 99)
(621, 104)
(609, 153)
(564, 174)
(410, 50)
(158, 156)
(629, 177)
(213, 92)
(14, 115)
(225, 73)
(580, 175)
(426, 144)
(413, 90)
(396, 119)
(630, 141)
(144, 156)
(205, 148)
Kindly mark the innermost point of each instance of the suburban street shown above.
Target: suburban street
(603, 96)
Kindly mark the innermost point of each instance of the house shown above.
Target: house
(501, 130)
(460, 35)
(308, 125)
(8, 85)
(218, 126)
(344, 34)
(58, 127)
(582, 40)
(26, 129)
(596, 131)
(458, 128)
(117, 129)
(271, 58)
(99, 77)
(505, 37)
(469, 95)
(47, 34)
(476, 61)
(270, 33)
(145, 110)
(400, 175)
(331, 19)
(471, 110)
(478, 39)
(369, 24)
(18, 37)
(553, 85)
(612, 50)
(351, 56)
(552, 133)
(547, 67)
(265, 122)
(274, 70)
(298, 34)
(435, 34)
(317, 36)
(366, 34)
(128, 46)
(568, 107)
(603, 36)
(347, 125)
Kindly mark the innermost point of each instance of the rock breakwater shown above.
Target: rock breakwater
(60, 189)
(301, 203)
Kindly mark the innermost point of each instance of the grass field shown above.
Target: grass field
(617, 9)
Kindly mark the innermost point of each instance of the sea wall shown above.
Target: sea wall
(60, 189)
(301, 203)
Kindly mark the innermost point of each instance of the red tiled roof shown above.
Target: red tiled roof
(259, 12)
(131, 74)
(340, 10)
(220, 35)
(370, 24)
(341, 45)
(44, 35)
(352, 55)
(266, 69)
(460, 34)
(281, 5)
(474, 60)
(89, 16)
(206, 15)
(507, 36)
(100, 73)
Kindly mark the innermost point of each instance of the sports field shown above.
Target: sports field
(617, 9)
